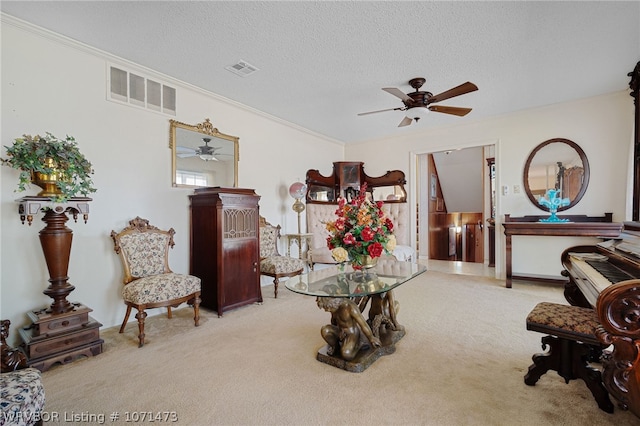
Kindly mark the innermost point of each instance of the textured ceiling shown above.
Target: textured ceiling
(322, 63)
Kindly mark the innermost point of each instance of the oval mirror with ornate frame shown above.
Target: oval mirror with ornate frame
(202, 156)
(556, 164)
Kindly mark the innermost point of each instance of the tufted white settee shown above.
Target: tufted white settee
(319, 214)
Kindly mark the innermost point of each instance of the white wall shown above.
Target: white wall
(53, 84)
(602, 126)
(461, 177)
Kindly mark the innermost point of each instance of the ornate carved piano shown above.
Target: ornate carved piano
(606, 277)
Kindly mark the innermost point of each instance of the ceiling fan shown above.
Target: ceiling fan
(421, 101)
(205, 152)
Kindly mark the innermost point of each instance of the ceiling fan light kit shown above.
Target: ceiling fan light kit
(207, 157)
(419, 103)
(204, 152)
(415, 114)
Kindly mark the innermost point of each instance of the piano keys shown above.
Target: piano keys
(588, 279)
(593, 268)
(596, 273)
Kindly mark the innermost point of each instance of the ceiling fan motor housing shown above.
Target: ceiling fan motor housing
(418, 99)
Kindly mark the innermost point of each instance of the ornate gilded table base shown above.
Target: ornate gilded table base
(365, 357)
(363, 310)
(353, 342)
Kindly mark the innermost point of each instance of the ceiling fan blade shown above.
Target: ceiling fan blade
(397, 92)
(405, 122)
(186, 154)
(450, 110)
(381, 110)
(184, 149)
(456, 91)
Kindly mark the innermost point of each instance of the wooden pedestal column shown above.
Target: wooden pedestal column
(55, 239)
(64, 331)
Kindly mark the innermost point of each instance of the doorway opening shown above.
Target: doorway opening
(456, 205)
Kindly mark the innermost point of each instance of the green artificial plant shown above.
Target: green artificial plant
(30, 155)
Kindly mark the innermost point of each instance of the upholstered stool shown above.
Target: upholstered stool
(22, 397)
(572, 344)
(21, 390)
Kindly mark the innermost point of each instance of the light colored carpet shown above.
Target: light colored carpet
(462, 362)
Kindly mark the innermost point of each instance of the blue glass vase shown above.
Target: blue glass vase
(553, 202)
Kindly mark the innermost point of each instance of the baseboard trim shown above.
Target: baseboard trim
(540, 279)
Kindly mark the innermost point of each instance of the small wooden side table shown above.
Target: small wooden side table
(299, 240)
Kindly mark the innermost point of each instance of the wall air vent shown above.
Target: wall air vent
(242, 68)
(133, 89)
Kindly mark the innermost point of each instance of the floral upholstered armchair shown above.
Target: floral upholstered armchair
(272, 263)
(149, 283)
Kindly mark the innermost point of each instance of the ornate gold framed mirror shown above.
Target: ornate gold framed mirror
(556, 164)
(202, 156)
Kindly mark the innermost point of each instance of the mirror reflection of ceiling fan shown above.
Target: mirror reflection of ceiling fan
(419, 102)
(205, 152)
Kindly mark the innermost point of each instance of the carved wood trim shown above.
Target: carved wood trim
(334, 181)
(634, 84)
(618, 311)
(239, 223)
(12, 358)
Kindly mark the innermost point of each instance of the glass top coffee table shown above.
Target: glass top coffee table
(363, 310)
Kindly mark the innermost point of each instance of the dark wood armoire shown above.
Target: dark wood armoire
(225, 246)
